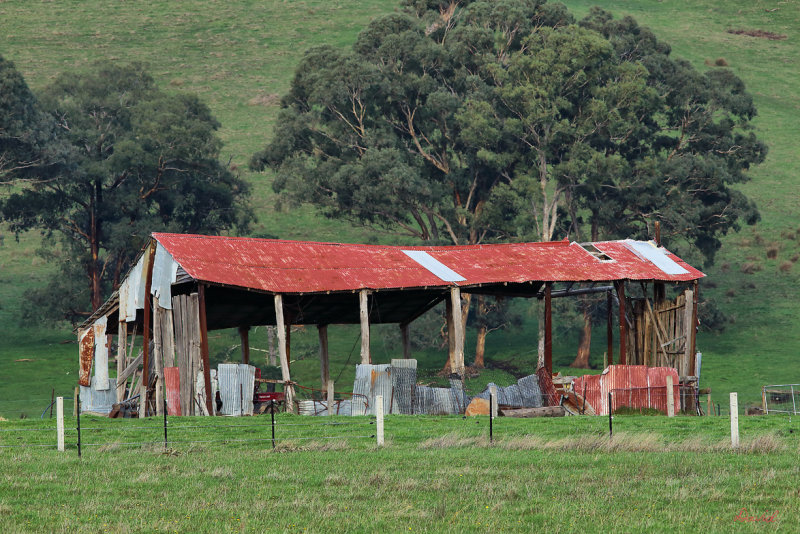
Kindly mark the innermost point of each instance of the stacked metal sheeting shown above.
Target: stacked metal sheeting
(404, 381)
(315, 407)
(524, 394)
(99, 400)
(236, 382)
(371, 381)
(435, 401)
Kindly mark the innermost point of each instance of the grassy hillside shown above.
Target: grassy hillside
(240, 56)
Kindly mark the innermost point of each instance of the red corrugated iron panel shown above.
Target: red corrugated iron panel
(588, 386)
(306, 267)
(634, 386)
(172, 381)
(657, 381)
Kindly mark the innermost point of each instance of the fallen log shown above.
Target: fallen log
(547, 411)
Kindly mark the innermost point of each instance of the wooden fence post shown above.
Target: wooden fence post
(734, 420)
(330, 397)
(379, 417)
(670, 398)
(60, 422)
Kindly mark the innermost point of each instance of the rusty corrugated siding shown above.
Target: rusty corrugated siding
(172, 383)
(307, 267)
(86, 353)
(634, 386)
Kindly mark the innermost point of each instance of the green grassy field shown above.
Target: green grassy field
(240, 56)
(435, 474)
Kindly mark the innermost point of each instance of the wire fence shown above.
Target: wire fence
(171, 432)
(781, 398)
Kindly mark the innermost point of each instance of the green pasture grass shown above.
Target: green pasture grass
(240, 56)
(435, 474)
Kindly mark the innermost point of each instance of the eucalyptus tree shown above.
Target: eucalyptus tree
(476, 121)
(139, 160)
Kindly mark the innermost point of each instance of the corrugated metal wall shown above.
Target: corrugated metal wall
(404, 381)
(172, 383)
(236, 381)
(371, 381)
(634, 386)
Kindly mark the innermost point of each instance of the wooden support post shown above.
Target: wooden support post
(363, 300)
(330, 404)
(457, 358)
(60, 423)
(122, 340)
(688, 325)
(201, 304)
(244, 336)
(695, 324)
(379, 418)
(734, 420)
(623, 323)
(610, 328)
(283, 353)
(148, 284)
(709, 405)
(548, 327)
(324, 369)
(158, 356)
(670, 398)
(404, 334)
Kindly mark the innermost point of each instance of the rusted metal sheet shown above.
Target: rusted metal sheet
(86, 353)
(306, 267)
(633, 386)
(657, 386)
(172, 382)
(588, 388)
(549, 395)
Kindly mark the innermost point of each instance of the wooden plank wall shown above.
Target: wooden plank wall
(186, 325)
(672, 323)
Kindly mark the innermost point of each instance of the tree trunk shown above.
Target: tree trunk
(94, 264)
(466, 298)
(582, 358)
(480, 344)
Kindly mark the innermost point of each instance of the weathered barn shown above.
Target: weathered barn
(183, 286)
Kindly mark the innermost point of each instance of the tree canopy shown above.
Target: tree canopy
(25, 132)
(473, 121)
(138, 160)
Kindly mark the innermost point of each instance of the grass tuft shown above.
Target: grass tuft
(772, 251)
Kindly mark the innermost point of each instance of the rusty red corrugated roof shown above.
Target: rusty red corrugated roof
(281, 266)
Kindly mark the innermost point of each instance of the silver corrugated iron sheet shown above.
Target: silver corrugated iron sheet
(434, 401)
(435, 266)
(524, 394)
(656, 255)
(404, 380)
(98, 401)
(314, 407)
(236, 382)
(371, 381)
